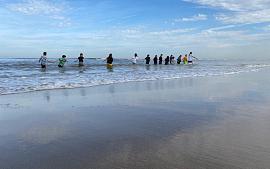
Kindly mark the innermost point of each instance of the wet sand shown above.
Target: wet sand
(190, 123)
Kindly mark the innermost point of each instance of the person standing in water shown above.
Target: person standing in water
(109, 60)
(179, 59)
(190, 58)
(171, 58)
(147, 59)
(62, 61)
(43, 60)
(160, 59)
(135, 58)
(81, 59)
(155, 60)
(185, 59)
(167, 60)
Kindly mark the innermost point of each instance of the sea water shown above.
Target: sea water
(25, 75)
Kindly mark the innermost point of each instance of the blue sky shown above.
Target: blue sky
(209, 28)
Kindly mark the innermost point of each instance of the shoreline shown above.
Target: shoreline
(25, 77)
(135, 81)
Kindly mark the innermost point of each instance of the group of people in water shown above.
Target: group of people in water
(61, 61)
(186, 59)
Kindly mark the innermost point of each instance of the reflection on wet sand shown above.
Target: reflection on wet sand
(157, 124)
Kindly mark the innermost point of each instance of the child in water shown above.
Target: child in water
(62, 61)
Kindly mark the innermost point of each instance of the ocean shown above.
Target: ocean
(25, 75)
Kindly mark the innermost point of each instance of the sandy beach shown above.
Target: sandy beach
(218, 122)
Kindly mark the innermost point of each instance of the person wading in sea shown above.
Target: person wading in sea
(43, 60)
(160, 59)
(147, 59)
(155, 60)
(81, 59)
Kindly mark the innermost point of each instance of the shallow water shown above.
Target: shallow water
(24, 75)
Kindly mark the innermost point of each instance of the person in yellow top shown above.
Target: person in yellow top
(185, 59)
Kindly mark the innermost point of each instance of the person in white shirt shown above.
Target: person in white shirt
(190, 58)
(43, 60)
(135, 58)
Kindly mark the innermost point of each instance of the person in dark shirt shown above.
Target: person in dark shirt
(160, 59)
(179, 59)
(147, 59)
(167, 60)
(109, 59)
(171, 58)
(155, 60)
(81, 59)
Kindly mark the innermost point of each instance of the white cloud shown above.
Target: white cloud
(55, 11)
(250, 17)
(172, 32)
(36, 7)
(221, 28)
(241, 11)
(235, 5)
(199, 17)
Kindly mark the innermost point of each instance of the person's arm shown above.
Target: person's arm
(39, 59)
(195, 58)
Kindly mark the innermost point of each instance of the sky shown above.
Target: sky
(222, 29)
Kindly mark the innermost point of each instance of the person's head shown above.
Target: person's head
(185, 55)
(135, 54)
(190, 53)
(64, 56)
(148, 55)
(110, 55)
(168, 56)
(161, 55)
(155, 55)
(81, 54)
(171, 55)
(180, 56)
(44, 53)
